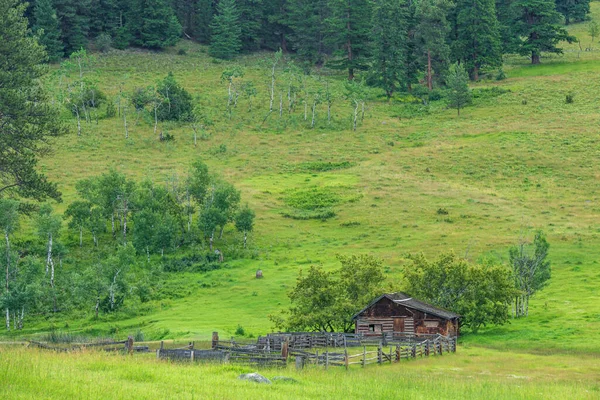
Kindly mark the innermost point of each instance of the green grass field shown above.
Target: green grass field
(520, 159)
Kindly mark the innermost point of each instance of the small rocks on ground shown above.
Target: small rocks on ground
(254, 377)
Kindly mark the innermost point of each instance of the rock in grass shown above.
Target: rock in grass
(285, 379)
(254, 377)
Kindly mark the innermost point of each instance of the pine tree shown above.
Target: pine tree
(226, 34)
(159, 26)
(539, 27)
(106, 16)
(28, 121)
(205, 11)
(307, 22)
(349, 28)
(459, 93)
(250, 21)
(477, 41)
(74, 19)
(431, 33)
(46, 26)
(507, 15)
(573, 10)
(389, 40)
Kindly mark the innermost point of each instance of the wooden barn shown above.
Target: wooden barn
(400, 313)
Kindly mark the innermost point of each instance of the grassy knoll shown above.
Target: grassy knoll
(518, 160)
(470, 374)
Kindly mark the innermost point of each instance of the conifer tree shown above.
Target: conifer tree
(307, 22)
(28, 122)
(159, 26)
(431, 33)
(459, 93)
(349, 29)
(389, 40)
(507, 15)
(204, 15)
(539, 27)
(250, 21)
(477, 41)
(46, 26)
(74, 19)
(226, 33)
(573, 10)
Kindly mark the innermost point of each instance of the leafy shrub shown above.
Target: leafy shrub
(442, 211)
(240, 331)
(177, 102)
(111, 110)
(141, 97)
(312, 199)
(323, 166)
(104, 42)
(501, 75)
(436, 94)
(569, 98)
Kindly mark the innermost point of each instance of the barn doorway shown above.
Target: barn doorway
(404, 324)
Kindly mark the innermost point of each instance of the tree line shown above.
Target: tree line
(398, 38)
(136, 219)
(483, 293)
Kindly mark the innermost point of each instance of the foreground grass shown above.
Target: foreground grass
(472, 373)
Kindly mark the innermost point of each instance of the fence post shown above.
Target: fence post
(215, 340)
(427, 348)
(455, 343)
(364, 360)
(284, 350)
(414, 350)
(130, 345)
(317, 357)
(299, 362)
(379, 353)
(326, 359)
(192, 354)
(346, 357)
(397, 353)
(162, 344)
(158, 354)
(391, 354)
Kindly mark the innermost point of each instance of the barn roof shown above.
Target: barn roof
(408, 301)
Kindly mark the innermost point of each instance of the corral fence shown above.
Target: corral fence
(321, 349)
(125, 346)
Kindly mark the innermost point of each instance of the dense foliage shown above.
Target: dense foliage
(480, 293)
(146, 221)
(327, 301)
(351, 34)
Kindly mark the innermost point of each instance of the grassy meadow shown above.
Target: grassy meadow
(518, 160)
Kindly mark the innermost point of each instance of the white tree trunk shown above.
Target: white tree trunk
(7, 319)
(49, 257)
(314, 109)
(78, 120)
(125, 122)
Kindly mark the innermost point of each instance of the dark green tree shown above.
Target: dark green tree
(47, 28)
(389, 38)
(307, 21)
(74, 19)
(159, 26)
(531, 271)
(348, 34)
(431, 38)
(538, 25)
(28, 122)
(226, 33)
(176, 101)
(507, 15)
(573, 10)
(251, 19)
(244, 222)
(459, 94)
(480, 293)
(477, 43)
(327, 301)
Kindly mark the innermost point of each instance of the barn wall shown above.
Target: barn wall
(385, 311)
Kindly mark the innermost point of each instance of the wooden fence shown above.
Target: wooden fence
(126, 346)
